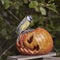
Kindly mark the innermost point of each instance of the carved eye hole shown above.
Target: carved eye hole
(36, 47)
(30, 40)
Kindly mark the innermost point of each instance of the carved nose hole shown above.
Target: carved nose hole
(36, 47)
(30, 40)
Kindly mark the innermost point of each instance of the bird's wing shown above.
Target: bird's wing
(21, 23)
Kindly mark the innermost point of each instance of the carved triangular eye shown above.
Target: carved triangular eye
(36, 47)
(30, 40)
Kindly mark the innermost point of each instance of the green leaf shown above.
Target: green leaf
(43, 11)
(2, 1)
(52, 9)
(37, 9)
(50, 1)
(16, 5)
(26, 1)
(6, 4)
(33, 4)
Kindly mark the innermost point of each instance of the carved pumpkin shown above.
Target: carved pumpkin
(38, 41)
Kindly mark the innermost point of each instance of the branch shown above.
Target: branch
(7, 50)
(13, 15)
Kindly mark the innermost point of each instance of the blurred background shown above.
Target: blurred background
(45, 13)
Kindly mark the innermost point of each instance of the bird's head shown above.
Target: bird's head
(29, 18)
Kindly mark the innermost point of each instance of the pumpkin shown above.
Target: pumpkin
(38, 41)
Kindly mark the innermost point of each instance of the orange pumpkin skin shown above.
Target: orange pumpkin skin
(39, 41)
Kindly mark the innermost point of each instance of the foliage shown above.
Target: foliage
(13, 11)
(38, 6)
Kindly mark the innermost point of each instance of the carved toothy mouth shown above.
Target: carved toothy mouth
(30, 41)
(36, 47)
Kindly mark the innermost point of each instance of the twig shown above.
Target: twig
(13, 30)
(13, 15)
(7, 50)
(56, 51)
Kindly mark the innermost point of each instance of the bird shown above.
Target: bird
(24, 24)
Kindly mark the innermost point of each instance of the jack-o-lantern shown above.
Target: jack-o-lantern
(38, 41)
